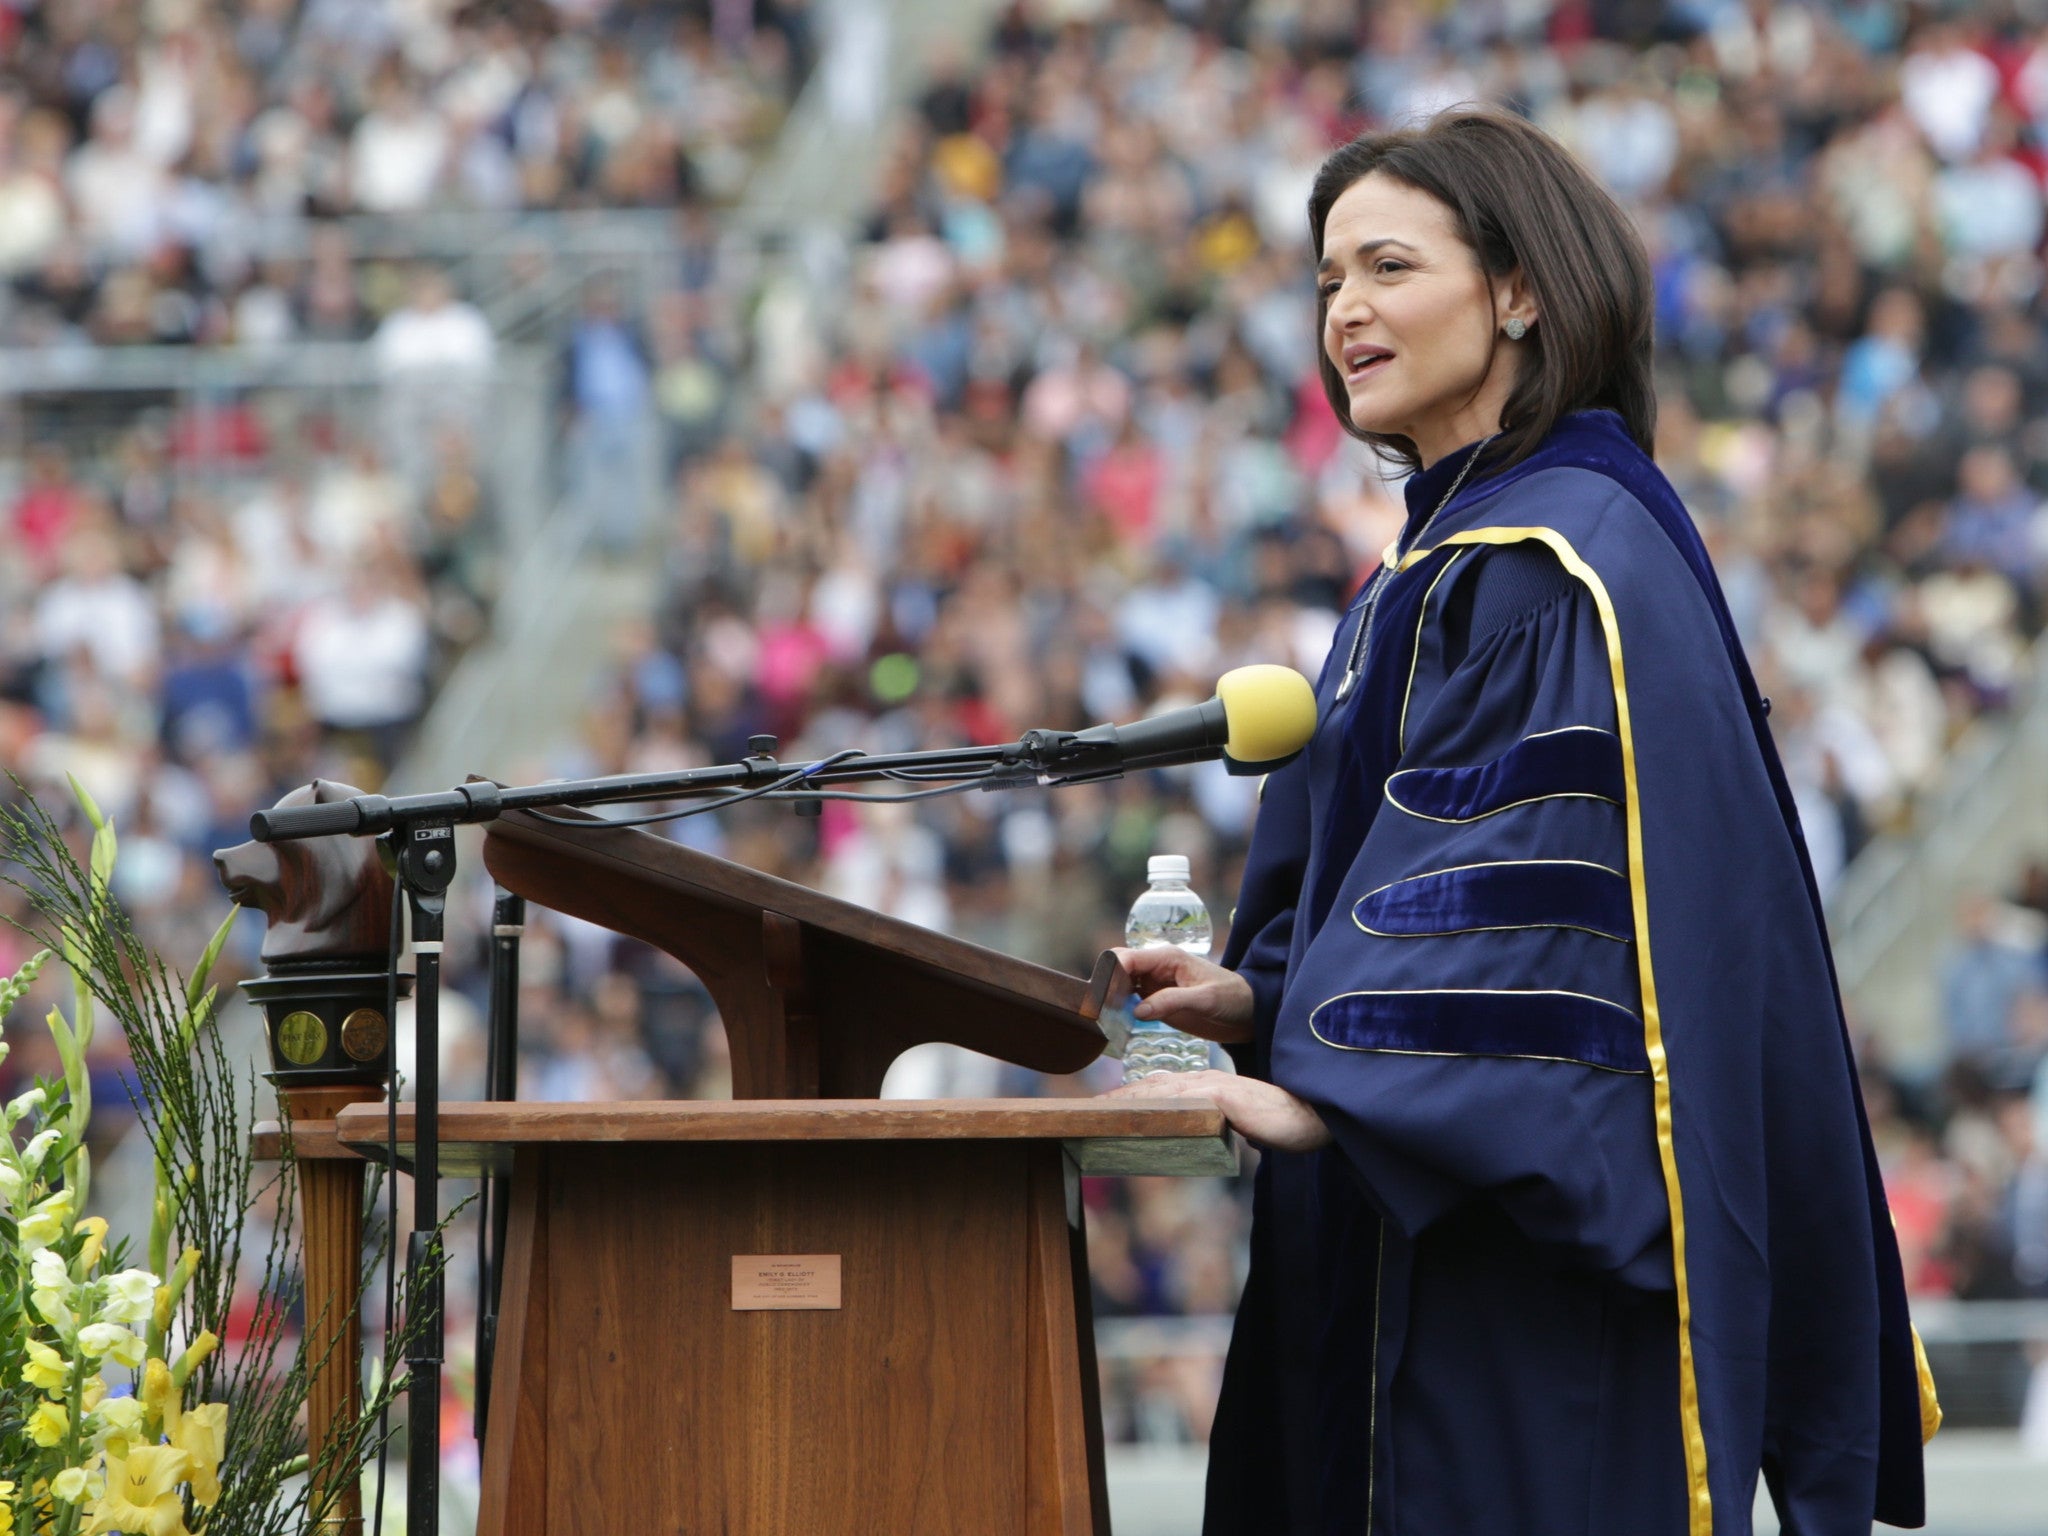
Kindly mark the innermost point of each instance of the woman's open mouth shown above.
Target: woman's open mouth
(1362, 366)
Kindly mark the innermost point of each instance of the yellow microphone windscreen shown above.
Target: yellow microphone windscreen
(1271, 711)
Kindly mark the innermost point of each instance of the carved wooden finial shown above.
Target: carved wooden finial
(327, 898)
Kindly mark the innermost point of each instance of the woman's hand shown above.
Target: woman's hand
(1262, 1113)
(1189, 993)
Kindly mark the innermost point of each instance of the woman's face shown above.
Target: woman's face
(1412, 325)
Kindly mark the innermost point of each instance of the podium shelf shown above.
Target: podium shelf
(1102, 1136)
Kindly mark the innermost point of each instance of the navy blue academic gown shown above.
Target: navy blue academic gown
(1600, 1235)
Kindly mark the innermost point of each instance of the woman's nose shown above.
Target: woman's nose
(1348, 308)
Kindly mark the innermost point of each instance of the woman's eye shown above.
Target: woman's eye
(1387, 261)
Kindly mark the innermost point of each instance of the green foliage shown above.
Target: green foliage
(197, 1105)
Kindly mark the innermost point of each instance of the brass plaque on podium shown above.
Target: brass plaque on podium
(785, 1282)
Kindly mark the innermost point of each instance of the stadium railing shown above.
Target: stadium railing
(1983, 1354)
(84, 397)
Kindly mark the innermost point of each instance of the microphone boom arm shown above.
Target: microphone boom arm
(1041, 756)
(1190, 735)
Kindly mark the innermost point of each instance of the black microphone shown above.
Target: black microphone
(1260, 718)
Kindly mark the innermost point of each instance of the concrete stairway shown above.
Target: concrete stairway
(1893, 912)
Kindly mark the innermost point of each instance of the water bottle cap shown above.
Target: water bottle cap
(1167, 866)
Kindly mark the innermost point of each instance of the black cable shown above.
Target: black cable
(937, 775)
(699, 808)
(799, 796)
(950, 785)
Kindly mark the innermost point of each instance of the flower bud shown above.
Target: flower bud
(38, 1145)
(95, 1230)
(200, 1347)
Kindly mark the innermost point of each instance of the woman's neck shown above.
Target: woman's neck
(1428, 486)
(1452, 437)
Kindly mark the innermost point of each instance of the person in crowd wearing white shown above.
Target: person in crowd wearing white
(397, 154)
(361, 658)
(119, 192)
(99, 609)
(435, 356)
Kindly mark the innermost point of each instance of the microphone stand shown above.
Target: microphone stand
(419, 831)
(501, 1075)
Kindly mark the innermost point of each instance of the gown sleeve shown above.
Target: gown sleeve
(1262, 924)
(1467, 1017)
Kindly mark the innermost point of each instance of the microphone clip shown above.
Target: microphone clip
(1060, 756)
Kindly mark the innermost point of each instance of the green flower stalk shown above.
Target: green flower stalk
(119, 1408)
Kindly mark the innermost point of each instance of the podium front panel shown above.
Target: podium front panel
(898, 1411)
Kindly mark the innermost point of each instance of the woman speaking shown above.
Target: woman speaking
(1569, 1220)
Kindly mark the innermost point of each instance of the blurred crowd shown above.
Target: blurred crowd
(215, 593)
(1965, 1143)
(188, 646)
(175, 172)
(1048, 448)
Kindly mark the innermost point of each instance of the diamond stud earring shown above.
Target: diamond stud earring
(1516, 328)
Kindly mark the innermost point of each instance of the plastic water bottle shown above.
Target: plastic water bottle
(1168, 912)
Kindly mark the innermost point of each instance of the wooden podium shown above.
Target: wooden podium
(833, 1317)
(807, 1311)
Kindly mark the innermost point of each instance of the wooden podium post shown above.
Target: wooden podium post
(331, 1207)
(327, 902)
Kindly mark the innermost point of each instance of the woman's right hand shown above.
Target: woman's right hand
(1189, 993)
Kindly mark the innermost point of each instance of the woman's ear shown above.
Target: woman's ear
(1514, 305)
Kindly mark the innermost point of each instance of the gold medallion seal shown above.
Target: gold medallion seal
(363, 1034)
(301, 1038)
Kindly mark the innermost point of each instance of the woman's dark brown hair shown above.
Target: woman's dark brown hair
(1518, 199)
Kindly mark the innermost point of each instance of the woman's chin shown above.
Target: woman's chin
(1373, 418)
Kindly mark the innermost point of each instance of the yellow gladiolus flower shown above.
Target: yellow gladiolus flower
(90, 1394)
(203, 1436)
(50, 1306)
(160, 1394)
(130, 1297)
(46, 1368)
(46, 1271)
(69, 1485)
(142, 1493)
(45, 1224)
(121, 1424)
(123, 1414)
(46, 1426)
(111, 1341)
